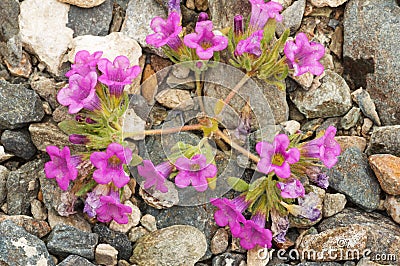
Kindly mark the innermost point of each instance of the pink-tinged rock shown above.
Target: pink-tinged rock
(392, 206)
(346, 142)
(387, 170)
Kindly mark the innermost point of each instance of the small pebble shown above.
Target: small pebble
(149, 222)
(105, 254)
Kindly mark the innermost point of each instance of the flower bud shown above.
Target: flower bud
(78, 139)
(202, 17)
(238, 25)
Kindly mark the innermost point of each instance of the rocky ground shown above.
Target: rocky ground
(358, 93)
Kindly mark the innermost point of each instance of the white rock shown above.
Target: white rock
(105, 254)
(134, 219)
(333, 203)
(133, 125)
(44, 32)
(175, 99)
(331, 3)
(84, 3)
(38, 210)
(3, 155)
(148, 221)
(138, 17)
(136, 233)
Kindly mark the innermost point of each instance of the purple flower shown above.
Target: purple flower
(279, 227)
(78, 139)
(205, 41)
(112, 209)
(110, 165)
(62, 166)
(317, 177)
(174, 6)
(238, 25)
(261, 12)
(307, 207)
(203, 16)
(117, 74)
(166, 32)
(230, 213)
(81, 93)
(275, 157)
(84, 63)
(155, 176)
(303, 56)
(291, 189)
(251, 45)
(325, 148)
(92, 202)
(253, 233)
(194, 171)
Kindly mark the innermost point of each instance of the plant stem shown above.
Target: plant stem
(237, 146)
(199, 91)
(237, 88)
(166, 131)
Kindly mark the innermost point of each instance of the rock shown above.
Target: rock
(258, 256)
(383, 235)
(175, 99)
(23, 187)
(21, 248)
(367, 262)
(229, 259)
(19, 106)
(111, 47)
(24, 67)
(187, 83)
(161, 200)
(32, 226)
(387, 170)
(366, 127)
(219, 242)
(291, 126)
(84, 3)
(149, 222)
(133, 124)
(353, 177)
(45, 134)
(136, 233)
(74, 260)
(385, 140)
(367, 105)
(118, 240)
(392, 206)
(134, 219)
(65, 240)
(10, 44)
(201, 5)
(75, 220)
(137, 24)
(333, 203)
(298, 222)
(331, 3)
(223, 12)
(340, 241)
(292, 17)
(180, 71)
(93, 21)
(61, 114)
(149, 86)
(336, 45)
(19, 143)
(3, 183)
(105, 254)
(371, 63)
(3, 155)
(47, 35)
(351, 118)
(305, 80)
(330, 99)
(174, 245)
(38, 210)
(47, 88)
(346, 142)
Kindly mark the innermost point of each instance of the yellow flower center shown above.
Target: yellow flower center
(278, 159)
(114, 161)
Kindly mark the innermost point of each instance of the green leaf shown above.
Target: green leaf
(72, 127)
(136, 160)
(269, 31)
(238, 184)
(86, 188)
(257, 183)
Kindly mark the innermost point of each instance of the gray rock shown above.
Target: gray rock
(47, 88)
(90, 21)
(385, 140)
(292, 17)
(32, 226)
(21, 248)
(367, 105)
(223, 11)
(351, 118)
(229, 259)
(118, 240)
(330, 99)
(383, 235)
(137, 24)
(219, 242)
(19, 106)
(174, 245)
(19, 143)
(353, 177)
(3, 183)
(10, 44)
(74, 260)
(374, 64)
(65, 240)
(23, 186)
